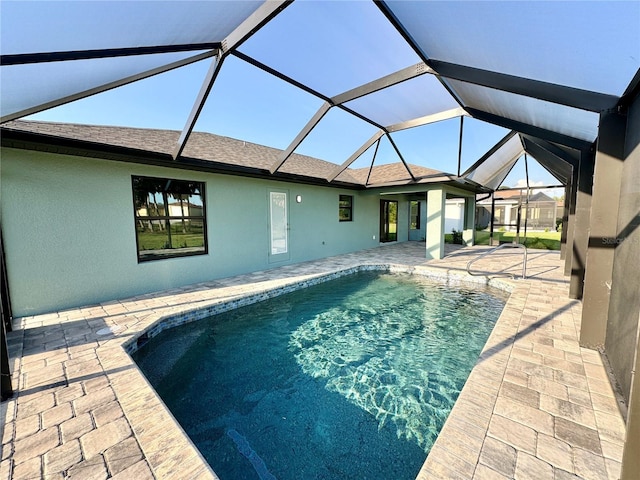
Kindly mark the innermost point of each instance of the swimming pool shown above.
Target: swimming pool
(352, 378)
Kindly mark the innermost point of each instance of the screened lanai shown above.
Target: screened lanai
(449, 91)
(362, 73)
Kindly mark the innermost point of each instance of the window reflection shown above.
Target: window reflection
(414, 215)
(170, 217)
(345, 210)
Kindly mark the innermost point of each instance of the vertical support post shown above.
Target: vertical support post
(5, 306)
(436, 203)
(518, 218)
(571, 221)
(603, 226)
(581, 230)
(165, 199)
(565, 222)
(493, 216)
(526, 208)
(469, 220)
(6, 389)
(460, 144)
(507, 216)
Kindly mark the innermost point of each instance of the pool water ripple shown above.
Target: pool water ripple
(349, 379)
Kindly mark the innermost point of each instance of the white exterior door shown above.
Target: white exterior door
(278, 226)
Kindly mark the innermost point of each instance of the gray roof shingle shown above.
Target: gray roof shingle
(216, 148)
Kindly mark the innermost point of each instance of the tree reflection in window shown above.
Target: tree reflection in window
(170, 217)
(345, 210)
(414, 215)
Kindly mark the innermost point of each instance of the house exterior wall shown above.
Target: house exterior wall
(454, 215)
(70, 237)
(436, 205)
(483, 216)
(539, 215)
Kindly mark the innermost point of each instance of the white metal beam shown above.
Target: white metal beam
(382, 83)
(324, 108)
(341, 168)
(435, 117)
(210, 78)
(243, 32)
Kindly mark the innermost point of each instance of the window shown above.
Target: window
(345, 211)
(170, 218)
(414, 215)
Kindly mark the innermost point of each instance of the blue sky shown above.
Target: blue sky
(331, 54)
(252, 105)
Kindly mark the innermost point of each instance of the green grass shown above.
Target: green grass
(155, 241)
(539, 240)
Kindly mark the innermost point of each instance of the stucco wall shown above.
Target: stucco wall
(624, 306)
(454, 216)
(70, 239)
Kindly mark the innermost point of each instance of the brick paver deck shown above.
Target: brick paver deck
(535, 406)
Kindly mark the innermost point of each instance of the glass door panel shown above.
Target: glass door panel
(388, 221)
(278, 226)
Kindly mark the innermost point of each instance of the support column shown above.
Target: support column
(565, 222)
(469, 220)
(603, 226)
(507, 217)
(581, 230)
(6, 389)
(571, 220)
(436, 203)
(493, 219)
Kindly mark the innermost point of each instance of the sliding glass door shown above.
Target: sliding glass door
(388, 221)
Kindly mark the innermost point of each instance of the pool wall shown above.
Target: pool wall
(205, 311)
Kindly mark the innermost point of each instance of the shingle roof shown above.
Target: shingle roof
(216, 148)
(392, 172)
(520, 193)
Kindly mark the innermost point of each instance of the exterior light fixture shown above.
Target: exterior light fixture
(298, 198)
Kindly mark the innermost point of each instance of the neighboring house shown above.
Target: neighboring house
(539, 211)
(176, 209)
(454, 215)
(95, 196)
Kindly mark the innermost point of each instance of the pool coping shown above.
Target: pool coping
(167, 321)
(97, 339)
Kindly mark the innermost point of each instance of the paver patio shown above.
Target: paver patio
(536, 405)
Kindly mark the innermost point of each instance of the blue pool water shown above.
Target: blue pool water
(349, 379)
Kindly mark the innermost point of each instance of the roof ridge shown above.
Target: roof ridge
(396, 164)
(89, 125)
(16, 124)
